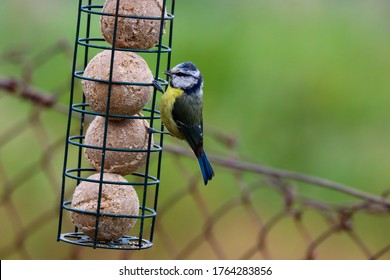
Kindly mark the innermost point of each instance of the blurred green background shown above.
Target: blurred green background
(301, 84)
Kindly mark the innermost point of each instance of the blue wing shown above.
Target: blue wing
(187, 113)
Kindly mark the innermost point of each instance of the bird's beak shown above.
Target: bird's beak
(168, 72)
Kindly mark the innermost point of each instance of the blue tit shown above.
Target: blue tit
(181, 111)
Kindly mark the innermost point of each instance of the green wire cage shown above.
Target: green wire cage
(92, 214)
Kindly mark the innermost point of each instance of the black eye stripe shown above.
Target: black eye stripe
(179, 74)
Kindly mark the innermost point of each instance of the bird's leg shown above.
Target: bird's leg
(157, 86)
(152, 130)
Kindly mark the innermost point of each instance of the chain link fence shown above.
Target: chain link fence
(250, 212)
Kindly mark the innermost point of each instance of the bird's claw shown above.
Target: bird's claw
(151, 130)
(157, 86)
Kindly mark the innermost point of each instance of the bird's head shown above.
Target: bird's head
(185, 76)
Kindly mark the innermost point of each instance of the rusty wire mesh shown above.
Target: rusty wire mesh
(254, 212)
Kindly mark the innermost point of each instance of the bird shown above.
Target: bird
(182, 111)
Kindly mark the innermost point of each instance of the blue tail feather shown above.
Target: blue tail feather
(205, 167)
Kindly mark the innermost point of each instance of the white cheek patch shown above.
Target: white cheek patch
(183, 82)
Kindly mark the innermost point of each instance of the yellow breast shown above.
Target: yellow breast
(167, 102)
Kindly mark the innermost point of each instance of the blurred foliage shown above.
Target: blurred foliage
(301, 84)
